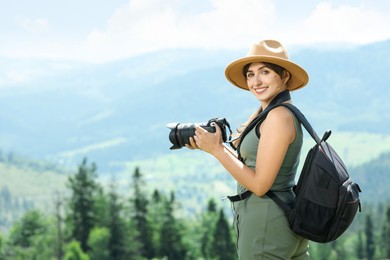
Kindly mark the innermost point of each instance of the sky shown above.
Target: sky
(100, 31)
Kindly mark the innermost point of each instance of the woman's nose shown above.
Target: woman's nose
(258, 78)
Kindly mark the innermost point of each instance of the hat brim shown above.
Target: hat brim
(234, 71)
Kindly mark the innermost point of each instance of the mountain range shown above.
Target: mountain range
(117, 112)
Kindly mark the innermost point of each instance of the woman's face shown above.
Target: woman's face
(264, 83)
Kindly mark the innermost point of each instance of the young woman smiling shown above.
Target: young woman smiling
(269, 154)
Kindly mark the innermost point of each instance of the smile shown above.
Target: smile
(260, 90)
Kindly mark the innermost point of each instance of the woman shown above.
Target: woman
(269, 154)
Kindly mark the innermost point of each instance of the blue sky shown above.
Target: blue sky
(99, 31)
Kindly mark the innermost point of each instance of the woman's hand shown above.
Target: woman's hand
(206, 141)
(192, 144)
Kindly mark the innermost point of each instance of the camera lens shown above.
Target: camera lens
(180, 134)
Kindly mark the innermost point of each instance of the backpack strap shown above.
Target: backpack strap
(283, 205)
(302, 119)
(277, 101)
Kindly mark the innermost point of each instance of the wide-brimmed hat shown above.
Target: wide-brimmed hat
(270, 51)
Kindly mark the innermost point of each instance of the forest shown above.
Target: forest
(94, 222)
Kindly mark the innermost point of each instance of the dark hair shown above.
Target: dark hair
(278, 70)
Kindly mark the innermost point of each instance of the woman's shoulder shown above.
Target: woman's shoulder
(279, 115)
(279, 121)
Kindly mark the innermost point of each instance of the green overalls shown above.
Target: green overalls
(262, 228)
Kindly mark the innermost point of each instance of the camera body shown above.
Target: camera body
(180, 133)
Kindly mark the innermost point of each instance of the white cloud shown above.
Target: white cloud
(143, 26)
(94, 147)
(348, 24)
(15, 73)
(148, 25)
(33, 24)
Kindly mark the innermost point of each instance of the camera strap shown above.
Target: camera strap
(229, 138)
(280, 98)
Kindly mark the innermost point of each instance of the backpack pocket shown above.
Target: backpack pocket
(348, 208)
(317, 219)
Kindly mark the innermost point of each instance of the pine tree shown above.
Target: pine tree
(172, 245)
(339, 249)
(386, 235)
(209, 220)
(360, 246)
(82, 215)
(29, 238)
(5, 199)
(25, 231)
(223, 247)
(59, 221)
(370, 244)
(155, 210)
(140, 205)
(119, 236)
(2, 240)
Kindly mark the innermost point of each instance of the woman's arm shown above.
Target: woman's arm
(277, 132)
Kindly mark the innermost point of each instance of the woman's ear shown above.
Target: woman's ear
(286, 76)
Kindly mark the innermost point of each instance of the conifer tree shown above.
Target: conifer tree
(119, 248)
(339, 249)
(5, 199)
(101, 207)
(155, 209)
(360, 246)
(370, 244)
(386, 235)
(209, 220)
(26, 236)
(223, 247)
(139, 203)
(58, 225)
(172, 246)
(82, 215)
(2, 240)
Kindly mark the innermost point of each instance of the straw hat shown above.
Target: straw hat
(270, 51)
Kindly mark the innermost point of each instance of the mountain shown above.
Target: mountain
(118, 112)
(373, 177)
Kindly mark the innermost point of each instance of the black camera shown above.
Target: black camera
(180, 133)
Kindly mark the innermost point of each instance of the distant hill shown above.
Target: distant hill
(27, 184)
(374, 179)
(115, 113)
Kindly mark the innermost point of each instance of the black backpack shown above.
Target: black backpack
(326, 198)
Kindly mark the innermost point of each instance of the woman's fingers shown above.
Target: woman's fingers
(192, 144)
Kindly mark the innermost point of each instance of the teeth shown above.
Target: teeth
(260, 90)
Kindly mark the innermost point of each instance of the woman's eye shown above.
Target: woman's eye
(265, 72)
(249, 75)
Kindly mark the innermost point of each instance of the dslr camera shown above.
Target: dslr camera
(180, 133)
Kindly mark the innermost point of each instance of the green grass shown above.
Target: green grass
(24, 182)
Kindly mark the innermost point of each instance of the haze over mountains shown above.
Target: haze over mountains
(118, 112)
